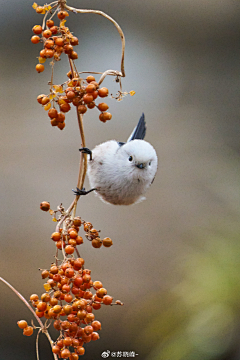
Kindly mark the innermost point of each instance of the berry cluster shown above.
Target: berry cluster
(82, 93)
(69, 302)
(70, 293)
(69, 238)
(55, 39)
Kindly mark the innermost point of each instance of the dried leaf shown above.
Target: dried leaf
(42, 60)
(47, 107)
(62, 23)
(47, 287)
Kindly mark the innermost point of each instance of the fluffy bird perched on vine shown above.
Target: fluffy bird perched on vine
(120, 173)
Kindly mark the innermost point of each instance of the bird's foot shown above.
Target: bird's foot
(82, 191)
(86, 151)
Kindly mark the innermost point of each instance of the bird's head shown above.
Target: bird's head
(139, 155)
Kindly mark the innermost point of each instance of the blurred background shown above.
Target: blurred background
(175, 262)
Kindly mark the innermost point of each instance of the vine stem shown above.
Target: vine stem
(98, 12)
(43, 329)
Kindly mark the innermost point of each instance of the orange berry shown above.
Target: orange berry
(95, 83)
(39, 100)
(45, 100)
(57, 309)
(82, 109)
(41, 306)
(96, 306)
(45, 274)
(107, 242)
(96, 325)
(65, 354)
(68, 298)
(96, 243)
(73, 234)
(88, 330)
(81, 314)
(54, 122)
(49, 23)
(61, 125)
(79, 240)
(68, 48)
(56, 236)
(37, 29)
(28, 331)
(74, 41)
(102, 118)
(65, 107)
(69, 272)
(101, 292)
(67, 341)
(53, 269)
(35, 39)
(77, 221)
(107, 115)
(45, 205)
(56, 349)
(59, 41)
(91, 105)
(78, 281)
(97, 285)
(90, 78)
(52, 113)
(102, 106)
(90, 88)
(53, 301)
(103, 92)
(54, 30)
(40, 68)
(80, 350)
(49, 44)
(43, 53)
(22, 324)
(71, 95)
(45, 297)
(49, 53)
(89, 317)
(47, 33)
(74, 356)
(69, 249)
(73, 55)
(87, 98)
(86, 278)
(95, 336)
(61, 117)
(107, 300)
(62, 14)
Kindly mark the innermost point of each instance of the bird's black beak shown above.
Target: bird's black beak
(140, 166)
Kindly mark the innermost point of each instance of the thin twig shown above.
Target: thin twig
(98, 12)
(43, 329)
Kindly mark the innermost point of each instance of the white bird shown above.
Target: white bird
(120, 173)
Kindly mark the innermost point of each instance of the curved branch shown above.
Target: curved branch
(30, 308)
(98, 12)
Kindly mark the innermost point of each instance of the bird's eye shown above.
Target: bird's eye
(149, 163)
(130, 158)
